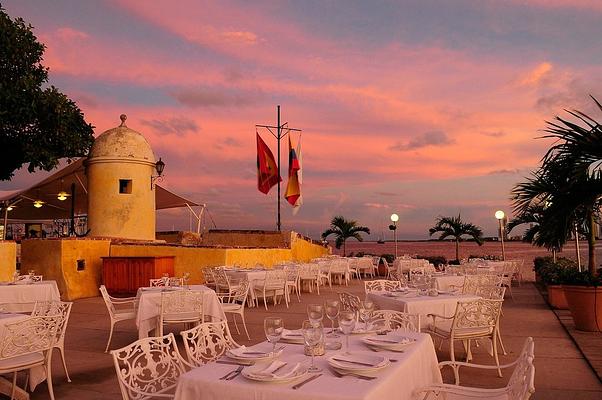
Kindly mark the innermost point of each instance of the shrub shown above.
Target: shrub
(389, 257)
(435, 260)
(555, 273)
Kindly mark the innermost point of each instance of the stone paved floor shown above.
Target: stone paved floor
(561, 371)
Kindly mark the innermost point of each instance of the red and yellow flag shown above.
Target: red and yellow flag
(267, 169)
(293, 186)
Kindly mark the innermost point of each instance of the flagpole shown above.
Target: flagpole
(278, 137)
(281, 131)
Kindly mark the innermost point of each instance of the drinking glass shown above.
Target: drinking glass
(315, 313)
(32, 273)
(347, 323)
(365, 312)
(273, 328)
(313, 334)
(165, 279)
(332, 312)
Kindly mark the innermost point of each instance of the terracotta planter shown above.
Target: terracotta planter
(585, 303)
(556, 297)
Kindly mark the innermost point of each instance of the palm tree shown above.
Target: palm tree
(343, 230)
(456, 228)
(578, 156)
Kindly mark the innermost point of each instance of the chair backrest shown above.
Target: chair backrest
(385, 263)
(207, 342)
(240, 293)
(396, 320)
(209, 275)
(521, 384)
(417, 271)
(148, 367)
(107, 300)
(292, 273)
(349, 302)
(32, 278)
(157, 282)
(381, 285)
(274, 278)
(479, 315)
(491, 292)
(29, 335)
(49, 308)
(181, 303)
(473, 282)
(399, 277)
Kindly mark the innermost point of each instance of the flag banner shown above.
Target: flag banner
(267, 169)
(293, 186)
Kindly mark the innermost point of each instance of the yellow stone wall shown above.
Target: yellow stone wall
(117, 215)
(247, 238)
(56, 259)
(8, 259)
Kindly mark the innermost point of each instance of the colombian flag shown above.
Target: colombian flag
(267, 169)
(293, 187)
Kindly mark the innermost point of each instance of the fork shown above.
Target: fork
(236, 371)
(340, 374)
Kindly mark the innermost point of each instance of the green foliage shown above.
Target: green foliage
(554, 273)
(38, 124)
(389, 257)
(572, 276)
(344, 229)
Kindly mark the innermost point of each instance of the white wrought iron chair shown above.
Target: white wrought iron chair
(381, 285)
(62, 308)
(235, 305)
(120, 309)
(494, 293)
(521, 384)
(149, 368)
(292, 283)
(473, 319)
(388, 267)
(365, 266)
(396, 320)
(209, 277)
(181, 307)
(353, 267)
(472, 283)
(310, 273)
(28, 343)
(350, 302)
(339, 269)
(324, 275)
(273, 285)
(207, 342)
(32, 278)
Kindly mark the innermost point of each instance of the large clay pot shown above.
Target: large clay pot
(556, 297)
(585, 303)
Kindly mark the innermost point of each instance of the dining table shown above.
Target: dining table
(21, 296)
(407, 371)
(37, 375)
(448, 281)
(255, 276)
(149, 307)
(413, 302)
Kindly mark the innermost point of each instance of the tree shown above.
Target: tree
(456, 228)
(38, 125)
(343, 230)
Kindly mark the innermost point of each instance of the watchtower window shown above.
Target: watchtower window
(125, 186)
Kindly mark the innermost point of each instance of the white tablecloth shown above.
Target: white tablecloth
(149, 307)
(23, 297)
(444, 304)
(445, 282)
(37, 375)
(416, 367)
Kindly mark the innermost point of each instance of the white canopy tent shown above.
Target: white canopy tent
(18, 206)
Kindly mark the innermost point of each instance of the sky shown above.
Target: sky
(422, 108)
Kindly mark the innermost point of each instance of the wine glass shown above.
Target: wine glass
(273, 328)
(365, 312)
(347, 323)
(185, 279)
(313, 334)
(315, 313)
(32, 273)
(165, 278)
(332, 312)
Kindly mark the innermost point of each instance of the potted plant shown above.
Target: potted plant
(552, 274)
(583, 291)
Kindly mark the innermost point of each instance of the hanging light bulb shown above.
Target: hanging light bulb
(62, 195)
(10, 208)
(38, 203)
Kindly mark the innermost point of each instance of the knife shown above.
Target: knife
(353, 362)
(298, 385)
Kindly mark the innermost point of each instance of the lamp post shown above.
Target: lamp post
(499, 214)
(393, 227)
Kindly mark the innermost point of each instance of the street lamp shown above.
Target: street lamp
(499, 214)
(393, 227)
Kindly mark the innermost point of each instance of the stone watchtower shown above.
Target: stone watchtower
(121, 197)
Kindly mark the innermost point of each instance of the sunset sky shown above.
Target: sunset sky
(422, 108)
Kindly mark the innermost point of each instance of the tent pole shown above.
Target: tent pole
(72, 223)
(5, 221)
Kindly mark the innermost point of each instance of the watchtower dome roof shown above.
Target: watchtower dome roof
(122, 143)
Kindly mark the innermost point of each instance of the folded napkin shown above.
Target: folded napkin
(277, 369)
(359, 359)
(292, 334)
(23, 282)
(391, 339)
(244, 351)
